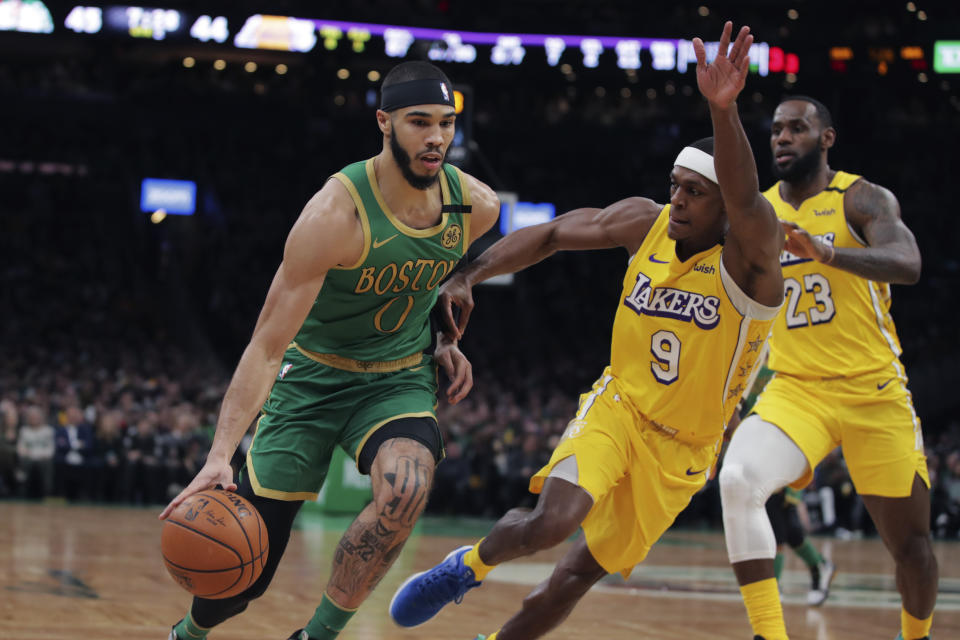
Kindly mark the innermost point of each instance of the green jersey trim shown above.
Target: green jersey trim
(360, 366)
(394, 220)
(265, 492)
(362, 214)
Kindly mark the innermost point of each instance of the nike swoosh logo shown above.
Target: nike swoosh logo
(379, 243)
(881, 386)
(693, 473)
(652, 259)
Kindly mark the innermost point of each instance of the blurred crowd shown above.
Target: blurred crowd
(129, 426)
(102, 421)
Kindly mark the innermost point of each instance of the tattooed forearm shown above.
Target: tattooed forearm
(881, 264)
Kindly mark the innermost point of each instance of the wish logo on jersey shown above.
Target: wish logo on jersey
(787, 258)
(673, 303)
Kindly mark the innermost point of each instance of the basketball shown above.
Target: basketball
(214, 544)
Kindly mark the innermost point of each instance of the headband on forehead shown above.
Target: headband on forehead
(699, 161)
(407, 94)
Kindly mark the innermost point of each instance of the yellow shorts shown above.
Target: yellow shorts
(871, 416)
(640, 477)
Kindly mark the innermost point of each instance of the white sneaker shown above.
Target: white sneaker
(819, 592)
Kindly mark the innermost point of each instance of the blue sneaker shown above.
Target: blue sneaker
(423, 594)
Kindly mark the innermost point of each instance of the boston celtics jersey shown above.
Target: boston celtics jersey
(833, 323)
(685, 337)
(378, 309)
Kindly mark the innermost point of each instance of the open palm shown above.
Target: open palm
(722, 80)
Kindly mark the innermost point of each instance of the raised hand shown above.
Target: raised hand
(722, 80)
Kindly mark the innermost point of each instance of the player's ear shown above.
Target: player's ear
(828, 138)
(384, 122)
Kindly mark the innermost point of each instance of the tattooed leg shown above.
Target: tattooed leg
(401, 474)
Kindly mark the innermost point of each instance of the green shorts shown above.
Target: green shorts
(314, 407)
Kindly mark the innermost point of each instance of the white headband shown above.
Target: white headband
(699, 161)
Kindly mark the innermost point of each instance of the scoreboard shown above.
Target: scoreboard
(147, 22)
(300, 35)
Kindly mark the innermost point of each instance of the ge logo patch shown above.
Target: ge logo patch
(451, 236)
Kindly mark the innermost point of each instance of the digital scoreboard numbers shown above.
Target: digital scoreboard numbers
(150, 23)
(301, 35)
(144, 22)
(208, 28)
(84, 20)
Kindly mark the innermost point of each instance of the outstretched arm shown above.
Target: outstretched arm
(622, 224)
(323, 236)
(751, 252)
(892, 254)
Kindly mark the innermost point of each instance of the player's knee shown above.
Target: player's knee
(255, 592)
(402, 484)
(548, 528)
(210, 613)
(914, 551)
(258, 588)
(795, 538)
(740, 487)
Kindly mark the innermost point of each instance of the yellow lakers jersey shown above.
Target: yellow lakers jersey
(685, 337)
(833, 323)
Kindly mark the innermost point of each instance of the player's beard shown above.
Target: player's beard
(801, 169)
(404, 161)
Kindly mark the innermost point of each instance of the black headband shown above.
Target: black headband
(407, 94)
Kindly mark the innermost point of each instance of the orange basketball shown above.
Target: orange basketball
(214, 544)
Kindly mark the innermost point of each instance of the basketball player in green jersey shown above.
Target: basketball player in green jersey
(336, 357)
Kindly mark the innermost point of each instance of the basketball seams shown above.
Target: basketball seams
(232, 543)
(210, 538)
(229, 508)
(192, 570)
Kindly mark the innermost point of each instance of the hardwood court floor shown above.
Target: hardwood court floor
(83, 572)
